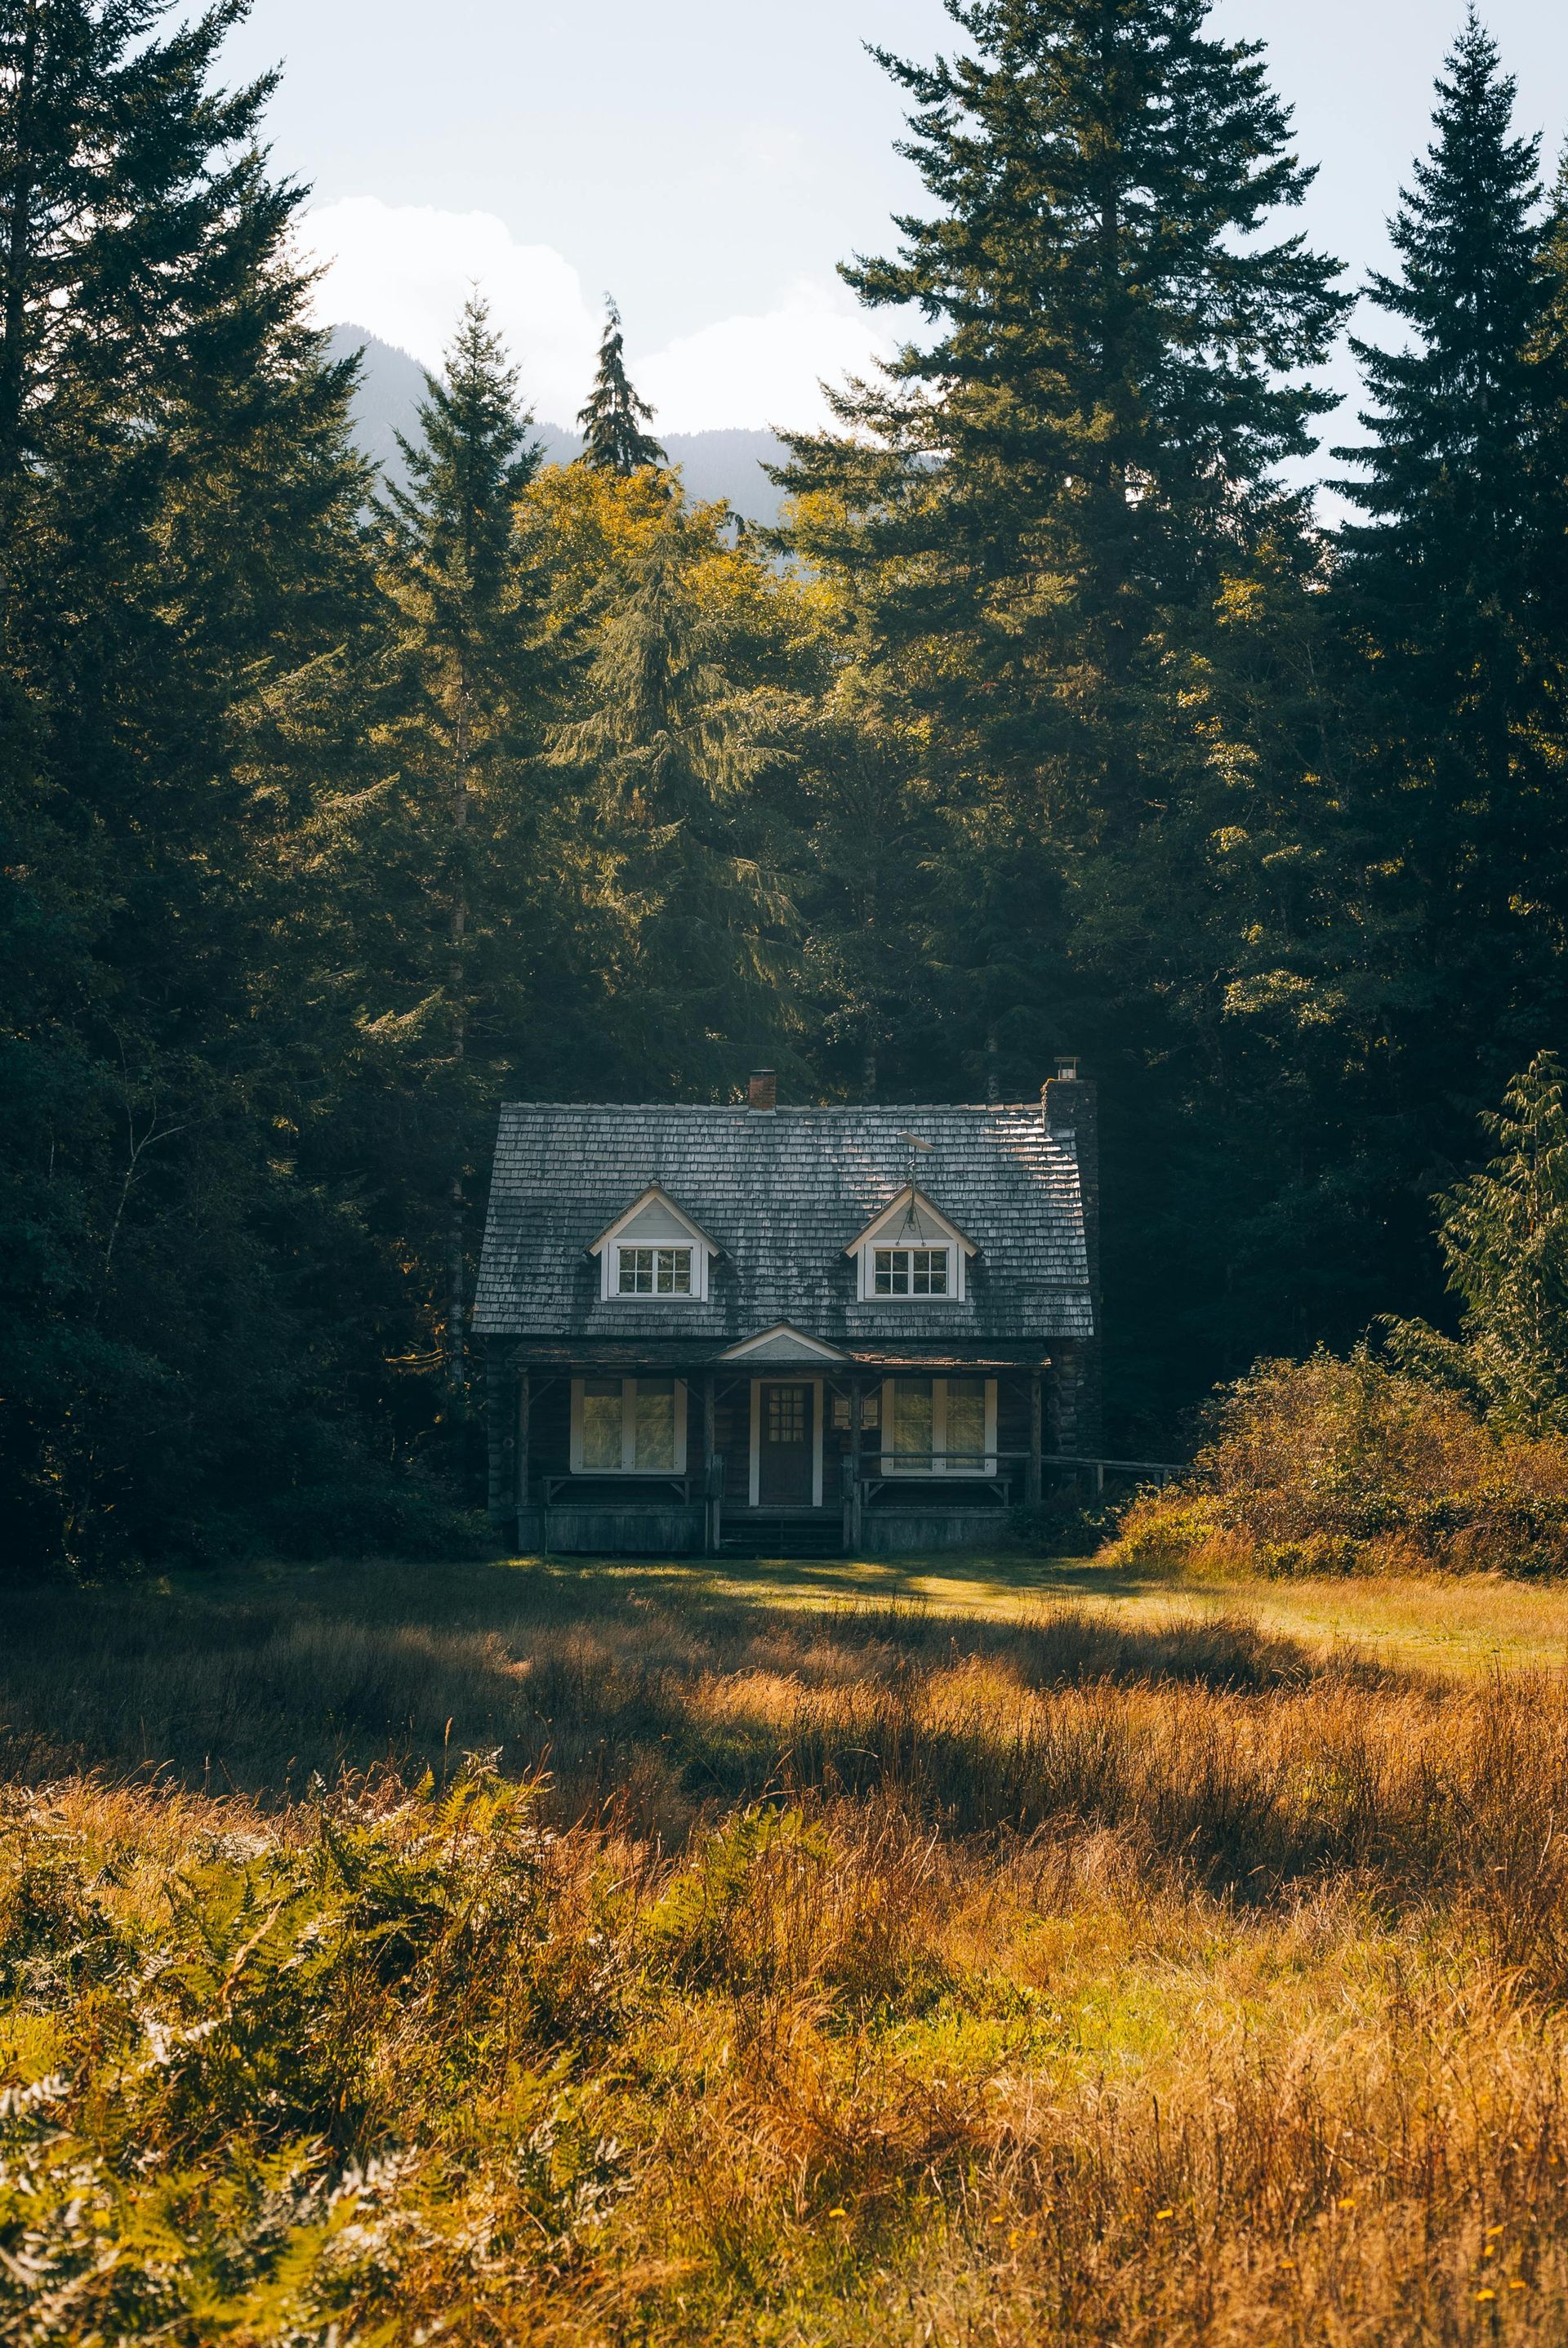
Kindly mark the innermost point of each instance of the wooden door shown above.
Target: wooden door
(786, 1432)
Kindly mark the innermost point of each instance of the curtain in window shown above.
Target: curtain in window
(911, 1417)
(653, 1424)
(601, 1423)
(965, 1445)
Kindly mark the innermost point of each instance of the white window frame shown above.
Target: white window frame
(607, 1248)
(628, 1432)
(911, 1295)
(892, 1465)
(656, 1248)
(929, 1230)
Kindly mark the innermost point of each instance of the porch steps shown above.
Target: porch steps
(784, 1537)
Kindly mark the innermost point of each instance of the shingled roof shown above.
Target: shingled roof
(783, 1194)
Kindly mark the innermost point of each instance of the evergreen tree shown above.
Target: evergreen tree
(612, 422)
(461, 726)
(179, 542)
(1458, 409)
(1113, 377)
(1048, 505)
(1453, 600)
(670, 752)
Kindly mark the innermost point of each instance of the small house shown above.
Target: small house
(766, 1330)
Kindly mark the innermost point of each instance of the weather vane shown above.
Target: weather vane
(916, 1143)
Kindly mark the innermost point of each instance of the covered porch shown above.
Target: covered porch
(793, 1451)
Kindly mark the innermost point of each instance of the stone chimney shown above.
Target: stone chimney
(762, 1094)
(1069, 1110)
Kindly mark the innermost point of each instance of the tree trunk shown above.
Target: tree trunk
(16, 239)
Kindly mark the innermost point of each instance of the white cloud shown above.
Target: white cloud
(404, 270)
(764, 369)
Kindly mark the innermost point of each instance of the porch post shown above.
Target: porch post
(711, 1501)
(857, 1489)
(520, 1444)
(1033, 1489)
(498, 1436)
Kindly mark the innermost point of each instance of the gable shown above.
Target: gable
(655, 1220)
(782, 1344)
(912, 1220)
(658, 1220)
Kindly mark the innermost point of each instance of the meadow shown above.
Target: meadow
(992, 1952)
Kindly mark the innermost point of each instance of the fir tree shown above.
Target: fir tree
(669, 749)
(612, 422)
(179, 544)
(462, 734)
(1457, 410)
(1114, 373)
(1454, 599)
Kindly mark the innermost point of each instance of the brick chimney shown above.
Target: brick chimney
(762, 1094)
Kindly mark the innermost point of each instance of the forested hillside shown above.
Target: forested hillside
(336, 809)
(390, 385)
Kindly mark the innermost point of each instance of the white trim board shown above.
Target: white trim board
(606, 1247)
(628, 1421)
(783, 1343)
(819, 1402)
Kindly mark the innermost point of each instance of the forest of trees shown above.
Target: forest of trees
(1053, 718)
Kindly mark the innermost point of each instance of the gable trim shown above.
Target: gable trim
(655, 1194)
(910, 1196)
(813, 1346)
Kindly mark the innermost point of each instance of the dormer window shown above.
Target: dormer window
(654, 1254)
(912, 1253)
(654, 1272)
(910, 1271)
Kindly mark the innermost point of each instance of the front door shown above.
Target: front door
(785, 1432)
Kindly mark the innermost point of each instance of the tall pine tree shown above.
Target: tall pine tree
(178, 543)
(462, 728)
(1454, 601)
(1045, 504)
(612, 422)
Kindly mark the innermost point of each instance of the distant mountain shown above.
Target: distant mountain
(713, 464)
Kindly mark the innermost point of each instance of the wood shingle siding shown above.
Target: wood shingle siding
(783, 1195)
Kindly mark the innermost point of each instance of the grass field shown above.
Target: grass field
(988, 1952)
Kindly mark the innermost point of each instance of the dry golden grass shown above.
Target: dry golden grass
(791, 1976)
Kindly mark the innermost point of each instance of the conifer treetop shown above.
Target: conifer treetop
(612, 420)
(1446, 408)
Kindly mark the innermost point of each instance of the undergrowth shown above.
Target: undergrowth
(786, 1978)
(1331, 1466)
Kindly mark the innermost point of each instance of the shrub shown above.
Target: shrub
(1331, 1466)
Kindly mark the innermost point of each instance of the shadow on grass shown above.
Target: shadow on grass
(658, 1683)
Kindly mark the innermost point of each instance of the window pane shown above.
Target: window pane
(892, 1271)
(675, 1271)
(911, 1419)
(637, 1271)
(931, 1272)
(787, 1414)
(653, 1424)
(601, 1423)
(966, 1423)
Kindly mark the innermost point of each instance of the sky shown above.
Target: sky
(710, 161)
